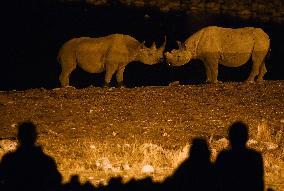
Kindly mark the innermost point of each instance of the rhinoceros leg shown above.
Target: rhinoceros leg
(212, 61)
(262, 72)
(119, 76)
(110, 70)
(257, 59)
(208, 73)
(67, 66)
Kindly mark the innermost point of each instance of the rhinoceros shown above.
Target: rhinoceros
(109, 53)
(230, 47)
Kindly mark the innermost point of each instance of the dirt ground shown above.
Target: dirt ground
(69, 120)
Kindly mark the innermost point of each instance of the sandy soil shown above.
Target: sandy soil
(165, 116)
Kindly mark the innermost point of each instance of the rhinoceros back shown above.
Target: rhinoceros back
(234, 46)
(69, 47)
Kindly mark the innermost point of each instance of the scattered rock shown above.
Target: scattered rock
(114, 133)
(147, 169)
(146, 16)
(103, 164)
(125, 166)
(175, 83)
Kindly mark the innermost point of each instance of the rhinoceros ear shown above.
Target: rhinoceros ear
(142, 44)
(153, 46)
(180, 45)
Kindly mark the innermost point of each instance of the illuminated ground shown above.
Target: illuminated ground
(129, 128)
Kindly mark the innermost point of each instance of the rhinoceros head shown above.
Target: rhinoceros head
(152, 55)
(178, 57)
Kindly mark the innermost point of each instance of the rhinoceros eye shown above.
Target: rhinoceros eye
(151, 53)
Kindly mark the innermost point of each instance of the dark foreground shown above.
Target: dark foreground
(99, 133)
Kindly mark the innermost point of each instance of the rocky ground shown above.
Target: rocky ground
(98, 133)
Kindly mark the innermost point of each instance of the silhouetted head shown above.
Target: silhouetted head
(199, 150)
(238, 134)
(27, 134)
(74, 178)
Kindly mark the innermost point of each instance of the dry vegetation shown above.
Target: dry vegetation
(99, 133)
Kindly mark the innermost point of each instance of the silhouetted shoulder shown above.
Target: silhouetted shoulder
(254, 152)
(240, 170)
(222, 154)
(7, 157)
(255, 156)
(8, 160)
(245, 155)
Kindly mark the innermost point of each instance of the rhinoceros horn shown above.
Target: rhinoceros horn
(162, 48)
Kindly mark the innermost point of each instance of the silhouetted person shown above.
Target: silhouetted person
(88, 186)
(29, 168)
(73, 185)
(195, 173)
(115, 183)
(141, 185)
(239, 168)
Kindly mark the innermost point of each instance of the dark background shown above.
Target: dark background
(33, 32)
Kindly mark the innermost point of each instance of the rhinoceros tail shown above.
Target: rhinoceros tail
(59, 55)
(268, 55)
